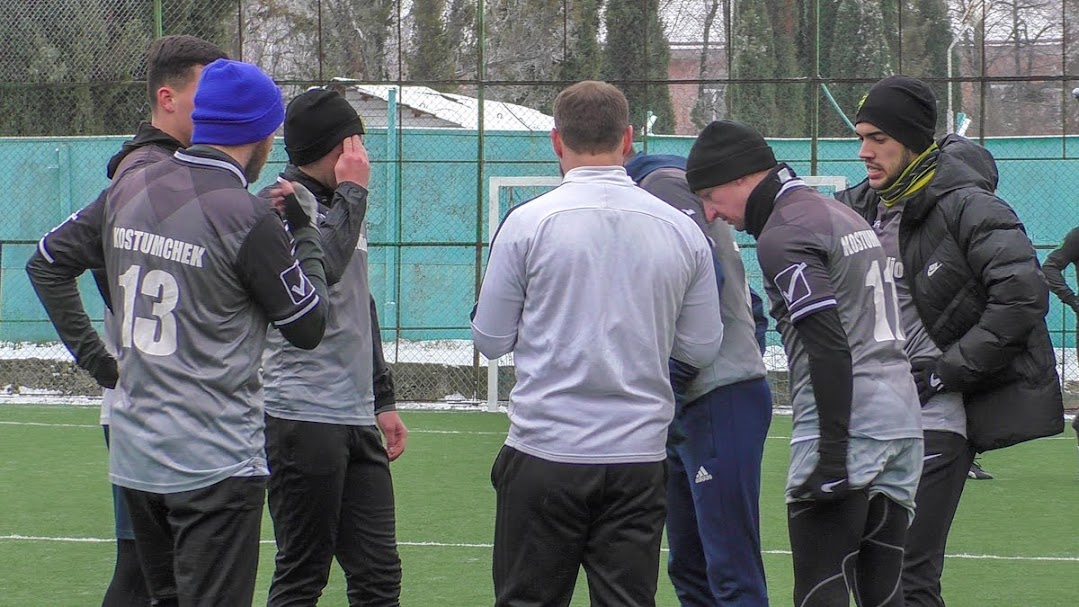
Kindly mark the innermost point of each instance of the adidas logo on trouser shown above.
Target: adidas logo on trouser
(702, 475)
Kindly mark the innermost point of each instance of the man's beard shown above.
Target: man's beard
(258, 159)
(908, 158)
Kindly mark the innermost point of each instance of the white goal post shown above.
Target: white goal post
(836, 182)
(494, 216)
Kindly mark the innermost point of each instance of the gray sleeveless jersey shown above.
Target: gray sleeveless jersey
(816, 254)
(197, 267)
(739, 355)
(944, 411)
(332, 383)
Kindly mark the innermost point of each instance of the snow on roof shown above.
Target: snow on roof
(460, 110)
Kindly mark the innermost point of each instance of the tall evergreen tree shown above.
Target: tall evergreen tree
(583, 58)
(706, 106)
(753, 57)
(523, 42)
(927, 33)
(430, 56)
(862, 52)
(77, 69)
(359, 50)
(461, 32)
(637, 49)
(790, 119)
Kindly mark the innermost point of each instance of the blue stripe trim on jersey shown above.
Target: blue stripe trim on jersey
(212, 162)
(813, 307)
(296, 316)
(44, 251)
(793, 183)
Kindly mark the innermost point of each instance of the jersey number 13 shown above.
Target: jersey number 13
(157, 335)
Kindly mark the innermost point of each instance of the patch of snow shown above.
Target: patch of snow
(24, 350)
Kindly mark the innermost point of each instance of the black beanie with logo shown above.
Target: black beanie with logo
(315, 122)
(904, 108)
(725, 151)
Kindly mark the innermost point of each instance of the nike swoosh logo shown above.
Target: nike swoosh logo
(931, 456)
(933, 269)
(829, 487)
(801, 512)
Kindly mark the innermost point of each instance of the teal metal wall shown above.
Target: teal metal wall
(428, 212)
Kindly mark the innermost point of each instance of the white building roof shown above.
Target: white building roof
(436, 109)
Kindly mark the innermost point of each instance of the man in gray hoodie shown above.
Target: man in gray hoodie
(722, 416)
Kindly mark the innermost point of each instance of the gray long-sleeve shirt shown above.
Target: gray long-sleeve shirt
(333, 383)
(593, 286)
(740, 358)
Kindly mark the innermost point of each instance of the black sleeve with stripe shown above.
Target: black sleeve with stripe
(830, 371)
(290, 289)
(1056, 262)
(341, 228)
(61, 257)
(385, 396)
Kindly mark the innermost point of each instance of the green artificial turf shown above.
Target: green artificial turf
(1015, 541)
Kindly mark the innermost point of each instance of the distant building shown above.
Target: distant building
(423, 107)
(685, 64)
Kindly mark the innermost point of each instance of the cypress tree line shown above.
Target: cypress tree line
(637, 49)
(584, 57)
(754, 57)
(790, 119)
(77, 68)
(862, 52)
(430, 57)
(927, 33)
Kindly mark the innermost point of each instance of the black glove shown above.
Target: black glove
(301, 208)
(828, 481)
(926, 379)
(104, 371)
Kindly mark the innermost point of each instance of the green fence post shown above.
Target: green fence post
(394, 199)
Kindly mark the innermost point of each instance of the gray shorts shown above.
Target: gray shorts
(888, 467)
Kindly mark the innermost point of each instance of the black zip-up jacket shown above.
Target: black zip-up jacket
(981, 295)
(57, 289)
(385, 396)
(1054, 266)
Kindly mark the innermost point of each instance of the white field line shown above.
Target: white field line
(102, 540)
(410, 431)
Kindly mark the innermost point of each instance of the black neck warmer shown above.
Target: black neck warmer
(763, 198)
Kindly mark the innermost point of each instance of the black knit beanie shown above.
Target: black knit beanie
(315, 122)
(724, 151)
(904, 108)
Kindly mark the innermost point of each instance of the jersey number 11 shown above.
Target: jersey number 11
(883, 285)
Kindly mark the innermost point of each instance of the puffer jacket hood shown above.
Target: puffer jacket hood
(961, 164)
(146, 135)
(642, 165)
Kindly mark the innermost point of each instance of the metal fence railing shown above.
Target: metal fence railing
(456, 92)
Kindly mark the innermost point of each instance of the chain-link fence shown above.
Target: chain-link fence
(457, 93)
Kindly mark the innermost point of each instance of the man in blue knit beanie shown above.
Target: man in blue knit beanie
(199, 267)
(237, 105)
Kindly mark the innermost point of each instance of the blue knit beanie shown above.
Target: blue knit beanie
(235, 104)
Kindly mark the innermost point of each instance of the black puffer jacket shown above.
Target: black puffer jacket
(981, 295)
